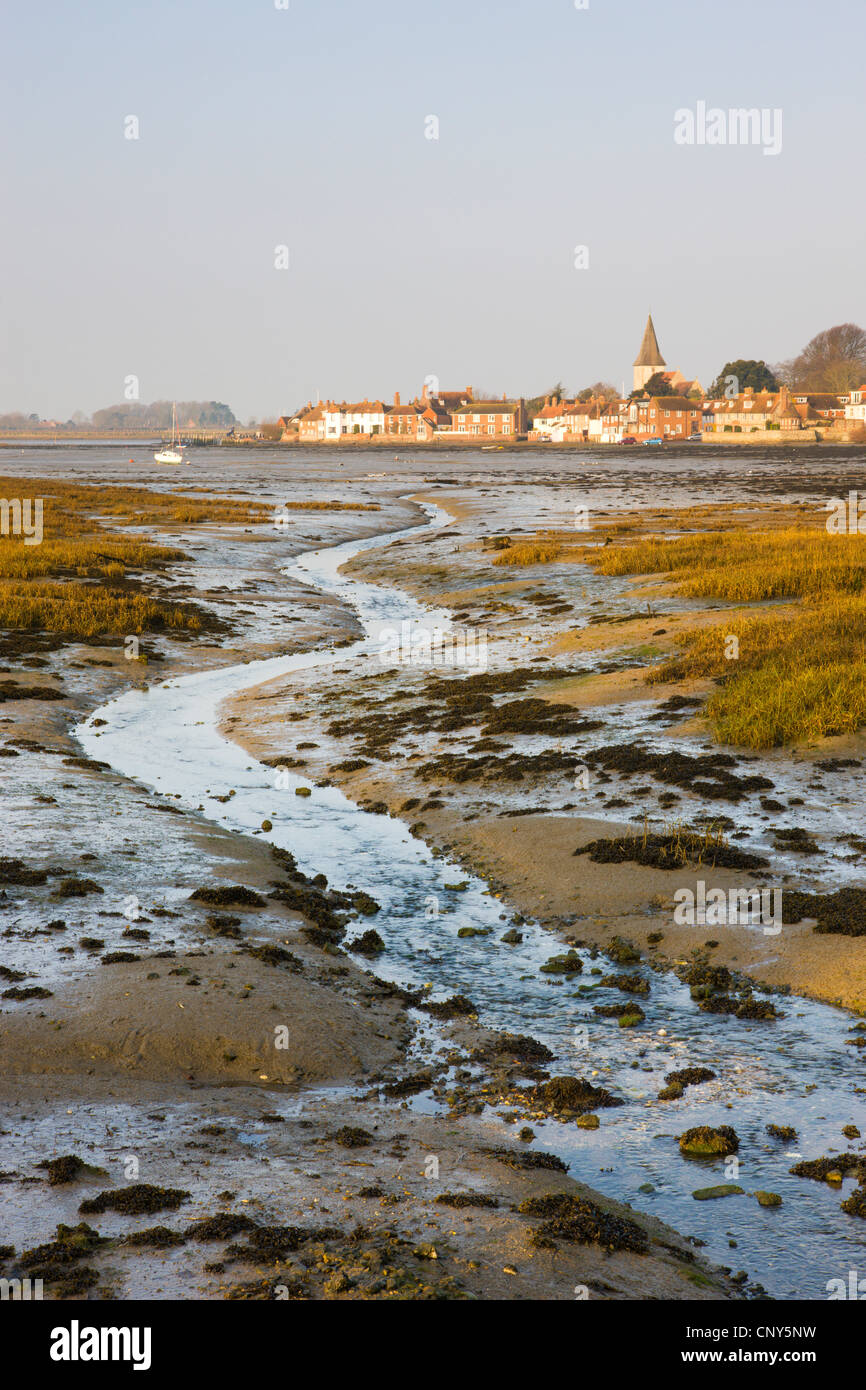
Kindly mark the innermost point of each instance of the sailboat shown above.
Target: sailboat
(174, 452)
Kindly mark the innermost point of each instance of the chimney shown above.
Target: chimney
(469, 393)
(424, 393)
(396, 398)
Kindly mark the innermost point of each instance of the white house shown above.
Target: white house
(363, 417)
(856, 407)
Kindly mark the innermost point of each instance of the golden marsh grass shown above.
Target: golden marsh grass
(798, 675)
(100, 572)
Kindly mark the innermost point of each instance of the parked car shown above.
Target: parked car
(629, 439)
(656, 439)
(695, 439)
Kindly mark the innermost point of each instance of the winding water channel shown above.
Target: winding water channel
(796, 1071)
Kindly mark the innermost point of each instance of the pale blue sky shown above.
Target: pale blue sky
(409, 257)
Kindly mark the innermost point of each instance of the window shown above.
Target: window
(506, 426)
(491, 429)
(491, 419)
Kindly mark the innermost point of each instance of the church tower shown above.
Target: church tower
(649, 360)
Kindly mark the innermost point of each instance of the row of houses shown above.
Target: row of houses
(682, 417)
(663, 405)
(446, 415)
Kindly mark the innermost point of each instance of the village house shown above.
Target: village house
(559, 422)
(757, 410)
(490, 419)
(311, 425)
(551, 422)
(360, 418)
(663, 417)
(856, 408)
(614, 422)
(815, 406)
(418, 420)
(578, 416)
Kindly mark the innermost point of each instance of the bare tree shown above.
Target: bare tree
(834, 360)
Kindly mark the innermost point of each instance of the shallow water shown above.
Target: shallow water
(795, 1071)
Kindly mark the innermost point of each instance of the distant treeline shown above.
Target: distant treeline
(136, 415)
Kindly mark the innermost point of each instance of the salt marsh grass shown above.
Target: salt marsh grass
(745, 566)
(800, 673)
(99, 574)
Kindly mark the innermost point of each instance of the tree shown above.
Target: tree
(603, 389)
(746, 371)
(656, 386)
(834, 360)
(534, 403)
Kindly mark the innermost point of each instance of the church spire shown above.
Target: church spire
(650, 354)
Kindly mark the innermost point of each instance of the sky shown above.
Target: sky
(306, 125)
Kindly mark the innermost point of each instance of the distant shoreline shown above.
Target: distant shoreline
(807, 448)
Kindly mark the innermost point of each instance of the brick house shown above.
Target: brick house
(490, 419)
(311, 425)
(665, 417)
(418, 421)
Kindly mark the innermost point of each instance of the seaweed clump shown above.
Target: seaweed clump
(140, 1199)
(460, 1200)
(275, 955)
(66, 1169)
(842, 913)
(671, 850)
(227, 895)
(369, 943)
(515, 1158)
(458, 1006)
(155, 1238)
(352, 1137)
(690, 1076)
(221, 1227)
(409, 1085)
(568, 964)
(708, 775)
(843, 1164)
(518, 1046)
(57, 1262)
(580, 1221)
(704, 1141)
(855, 1205)
(564, 1095)
(787, 1133)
